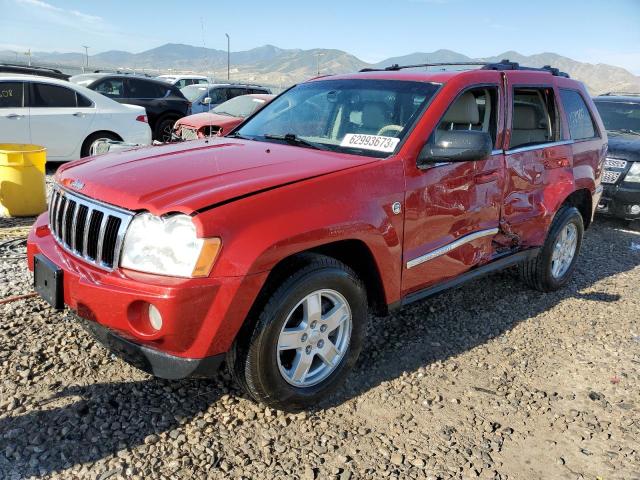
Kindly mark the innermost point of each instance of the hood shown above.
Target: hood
(200, 120)
(625, 147)
(190, 176)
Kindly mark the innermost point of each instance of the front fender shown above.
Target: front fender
(356, 204)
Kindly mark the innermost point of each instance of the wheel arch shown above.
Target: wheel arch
(583, 201)
(97, 133)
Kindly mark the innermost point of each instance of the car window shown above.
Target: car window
(51, 96)
(218, 95)
(619, 115)
(475, 109)
(83, 101)
(183, 83)
(363, 117)
(534, 119)
(200, 81)
(235, 92)
(142, 89)
(110, 87)
(579, 118)
(11, 94)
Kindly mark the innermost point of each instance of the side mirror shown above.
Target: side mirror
(206, 100)
(455, 146)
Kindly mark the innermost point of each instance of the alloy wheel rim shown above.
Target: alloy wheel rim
(315, 338)
(564, 250)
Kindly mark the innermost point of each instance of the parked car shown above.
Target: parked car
(203, 97)
(221, 119)
(182, 81)
(163, 102)
(621, 116)
(65, 118)
(345, 195)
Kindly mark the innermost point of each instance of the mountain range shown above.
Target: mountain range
(276, 66)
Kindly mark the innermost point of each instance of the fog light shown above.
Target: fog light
(634, 209)
(155, 319)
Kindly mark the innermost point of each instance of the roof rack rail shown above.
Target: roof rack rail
(504, 64)
(33, 70)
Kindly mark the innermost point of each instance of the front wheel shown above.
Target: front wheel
(307, 336)
(553, 267)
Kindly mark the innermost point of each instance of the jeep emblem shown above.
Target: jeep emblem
(77, 184)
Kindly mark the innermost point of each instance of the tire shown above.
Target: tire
(164, 128)
(85, 151)
(265, 365)
(546, 274)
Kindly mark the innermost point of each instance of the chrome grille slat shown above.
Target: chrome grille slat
(79, 224)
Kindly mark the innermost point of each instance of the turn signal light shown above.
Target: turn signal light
(210, 250)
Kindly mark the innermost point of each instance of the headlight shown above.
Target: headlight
(633, 175)
(168, 246)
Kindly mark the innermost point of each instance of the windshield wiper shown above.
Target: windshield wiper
(624, 130)
(293, 139)
(238, 135)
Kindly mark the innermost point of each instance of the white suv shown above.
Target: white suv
(65, 118)
(182, 81)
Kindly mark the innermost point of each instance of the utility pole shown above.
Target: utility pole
(86, 52)
(228, 57)
(318, 55)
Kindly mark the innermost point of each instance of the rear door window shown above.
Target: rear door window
(11, 94)
(52, 96)
(235, 92)
(141, 89)
(111, 87)
(534, 119)
(581, 126)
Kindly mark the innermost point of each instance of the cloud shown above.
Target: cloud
(57, 11)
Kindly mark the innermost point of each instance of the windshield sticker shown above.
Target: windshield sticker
(378, 143)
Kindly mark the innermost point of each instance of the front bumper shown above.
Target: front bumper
(201, 316)
(155, 362)
(618, 200)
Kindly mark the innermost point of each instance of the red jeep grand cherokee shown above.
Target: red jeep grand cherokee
(345, 195)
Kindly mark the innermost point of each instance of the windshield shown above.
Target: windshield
(193, 92)
(363, 117)
(621, 116)
(242, 106)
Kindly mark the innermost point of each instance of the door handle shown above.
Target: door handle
(78, 114)
(486, 177)
(14, 115)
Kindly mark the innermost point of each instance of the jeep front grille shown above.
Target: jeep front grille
(88, 229)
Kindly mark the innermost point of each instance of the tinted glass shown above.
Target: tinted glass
(83, 101)
(362, 117)
(11, 94)
(619, 116)
(535, 117)
(141, 89)
(51, 96)
(111, 87)
(235, 92)
(578, 116)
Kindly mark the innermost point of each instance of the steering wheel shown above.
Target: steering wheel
(390, 129)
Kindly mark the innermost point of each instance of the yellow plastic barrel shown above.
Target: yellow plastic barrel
(22, 180)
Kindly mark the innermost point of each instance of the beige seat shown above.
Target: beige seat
(374, 117)
(463, 114)
(527, 128)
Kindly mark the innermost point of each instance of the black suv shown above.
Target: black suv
(621, 179)
(164, 102)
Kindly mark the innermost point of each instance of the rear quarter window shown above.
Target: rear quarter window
(579, 119)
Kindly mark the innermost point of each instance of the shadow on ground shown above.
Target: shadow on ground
(91, 422)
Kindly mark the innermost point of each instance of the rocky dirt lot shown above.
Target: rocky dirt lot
(492, 380)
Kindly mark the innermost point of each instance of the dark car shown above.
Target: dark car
(164, 102)
(204, 97)
(621, 180)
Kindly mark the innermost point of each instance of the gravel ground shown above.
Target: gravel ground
(492, 380)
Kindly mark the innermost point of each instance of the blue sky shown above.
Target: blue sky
(586, 30)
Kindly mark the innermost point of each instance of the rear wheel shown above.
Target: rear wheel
(164, 129)
(95, 138)
(307, 337)
(553, 267)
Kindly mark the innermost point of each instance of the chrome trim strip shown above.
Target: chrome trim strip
(451, 246)
(61, 195)
(540, 146)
